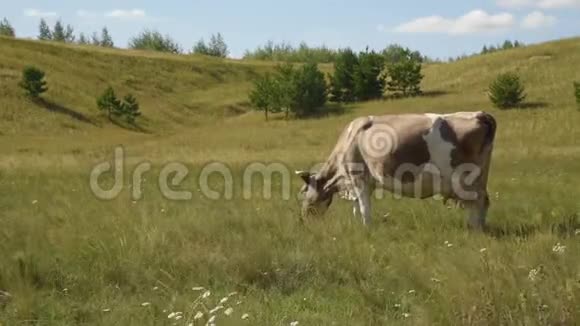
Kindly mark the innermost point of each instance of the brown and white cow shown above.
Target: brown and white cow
(410, 155)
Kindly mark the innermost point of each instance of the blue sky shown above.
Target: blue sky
(437, 28)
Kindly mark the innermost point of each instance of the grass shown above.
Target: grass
(69, 258)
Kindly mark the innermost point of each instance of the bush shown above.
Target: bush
(405, 76)
(577, 93)
(300, 91)
(216, 47)
(130, 109)
(155, 41)
(33, 82)
(288, 53)
(506, 91)
(6, 29)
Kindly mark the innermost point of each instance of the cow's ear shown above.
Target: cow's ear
(305, 175)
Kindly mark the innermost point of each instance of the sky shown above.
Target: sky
(439, 29)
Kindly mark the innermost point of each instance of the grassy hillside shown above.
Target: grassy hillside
(69, 258)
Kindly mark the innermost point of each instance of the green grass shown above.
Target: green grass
(68, 258)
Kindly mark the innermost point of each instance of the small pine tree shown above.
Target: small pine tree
(507, 44)
(58, 32)
(44, 32)
(217, 46)
(405, 77)
(342, 81)
(95, 39)
(33, 82)
(130, 109)
(109, 103)
(82, 39)
(106, 39)
(484, 50)
(577, 93)
(369, 81)
(69, 36)
(506, 91)
(6, 29)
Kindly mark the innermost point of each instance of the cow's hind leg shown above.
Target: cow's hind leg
(477, 211)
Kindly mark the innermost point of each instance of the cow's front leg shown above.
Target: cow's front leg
(364, 203)
(355, 208)
(477, 211)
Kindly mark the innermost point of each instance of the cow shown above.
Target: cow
(410, 155)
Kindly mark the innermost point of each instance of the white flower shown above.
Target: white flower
(577, 232)
(411, 291)
(155, 288)
(406, 315)
(238, 303)
(145, 304)
(178, 317)
(214, 310)
(34, 202)
(232, 294)
(245, 316)
(229, 311)
(397, 305)
(211, 319)
(294, 323)
(175, 315)
(224, 300)
(198, 315)
(171, 315)
(533, 274)
(558, 248)
(482, 250)
(198, 288)
(206, 294)
(106, 310)
(436, 280)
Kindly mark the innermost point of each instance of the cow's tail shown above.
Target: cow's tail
(489, 122)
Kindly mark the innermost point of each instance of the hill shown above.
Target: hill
(68, 257)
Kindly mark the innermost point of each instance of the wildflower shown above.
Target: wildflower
(155, 288)
(406, 315)
(34, 202)
(558, 248)
(224, 300)
(294, 323)
(211, 319)
(198, 288)
(533, 274)
(106, 310)
(482, 250)
(216, 309)
(245, 316)
(397, 305)
(145, 304)
(577, 232)
(175, 315)
(206, 294)
(412, 291)
(198, 315)
(229, 311)
(232, 294)
(436, 280)
(171, 315)
(178, 317)
(238, 303)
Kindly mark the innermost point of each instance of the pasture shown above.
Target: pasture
(69, 258)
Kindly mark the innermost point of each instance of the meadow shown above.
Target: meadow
(69, 258)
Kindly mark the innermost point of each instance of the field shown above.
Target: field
(70, 258)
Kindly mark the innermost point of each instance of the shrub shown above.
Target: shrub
(109, 103)
(405, 76)
(155, 41)
(289, 53)
(369, 82)
(506, 91)
(216, 47)
(577, 93)
(33, 82)
(6, 29)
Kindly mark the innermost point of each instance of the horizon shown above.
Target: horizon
(437, 31)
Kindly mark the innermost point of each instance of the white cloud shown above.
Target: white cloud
(543, 4)
(38, 13)
(127, 14)
(538, 19)
(475, 21)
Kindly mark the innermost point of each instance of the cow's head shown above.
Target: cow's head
(316, 194)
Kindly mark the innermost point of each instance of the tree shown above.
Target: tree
(507, 44)
(262, 97)
(395, 53)
(33, 82)
(95, 39)
(310, 90)
(106, 39)
(44, 33)
(369, 81)
(484, 50)
(58, 32)
(342, 81)
(130, 108)
(6, 29)
(109, 103)
(69, 36)
(155, 41)
(201, 48)
(82, 39)
(217, 46)
(506, 91)
(405, 77)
